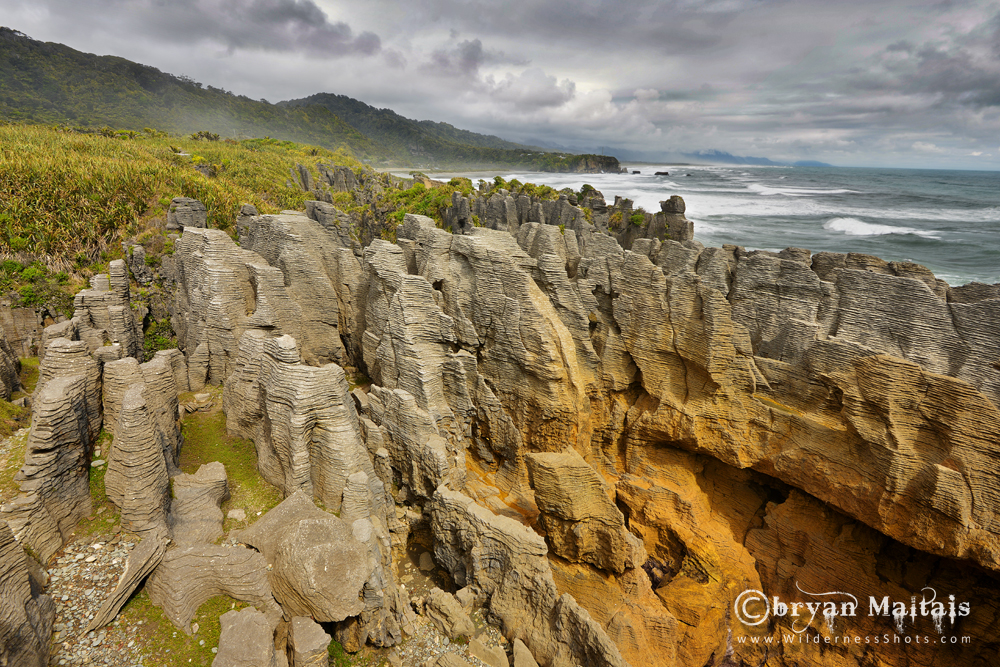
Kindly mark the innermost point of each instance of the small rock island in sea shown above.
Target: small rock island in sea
(616, 446)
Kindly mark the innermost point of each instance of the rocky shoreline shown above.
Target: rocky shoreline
(600, 433)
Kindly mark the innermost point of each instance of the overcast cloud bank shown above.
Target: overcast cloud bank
(909, 84)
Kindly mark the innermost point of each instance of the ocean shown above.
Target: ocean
(949, 221)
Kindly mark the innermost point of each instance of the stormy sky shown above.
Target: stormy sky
(885, 83)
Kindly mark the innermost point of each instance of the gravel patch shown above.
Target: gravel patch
(81, 576)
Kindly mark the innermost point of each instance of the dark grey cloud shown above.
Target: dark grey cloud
(286, 25)
(466, 58)
(234, 25)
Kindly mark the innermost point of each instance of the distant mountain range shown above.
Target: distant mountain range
(44, 82)
(721, 157)
(697, 157)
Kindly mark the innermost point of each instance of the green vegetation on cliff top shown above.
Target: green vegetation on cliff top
(64, 193)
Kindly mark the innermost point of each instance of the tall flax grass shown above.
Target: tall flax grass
(62, 193)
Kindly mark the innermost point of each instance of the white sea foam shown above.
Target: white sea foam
(789, 191)
(855, 227)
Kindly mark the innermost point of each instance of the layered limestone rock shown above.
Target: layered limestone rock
(580, 521)
(160, 393)
(318, 267)
(26, 614)
(186, 212)
(54, 481)
(196, 506)
(10, 367)
(507, 561)
(307, 643)
(308, 291)
(220, 289)
(118, 376)
(329, 569)
(102, 316)
(665, 392)
(302, 421)
(65, 358)
(137, 481)
(189, 575)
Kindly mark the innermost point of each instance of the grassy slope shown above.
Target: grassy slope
(65, 192)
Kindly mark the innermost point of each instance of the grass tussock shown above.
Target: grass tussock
(66, 193)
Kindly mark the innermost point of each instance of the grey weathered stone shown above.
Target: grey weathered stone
(196, 508)
(246, 640)
(320, 569)
(118, 377)
(178, 364)
(136, 260)
(297, 538)
(580, 521)
(522, 656)
(160, 393)
(308, 643)
(186, 212)
(301, 418)
(508, 561)
(103, 315)
(23, 330)
(447, 614)
(64, 358)
(26, 615)
(491, 656)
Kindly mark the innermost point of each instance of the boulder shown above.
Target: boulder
(522, 656)
(318, 567)
(196, 508)
(447, 614)
(308, 643)
(186, 212)
(490, 655)
(246, 640)
(580, 521)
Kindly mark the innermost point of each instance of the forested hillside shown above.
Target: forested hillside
(43, 82)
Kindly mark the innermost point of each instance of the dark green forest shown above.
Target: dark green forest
(52, 84)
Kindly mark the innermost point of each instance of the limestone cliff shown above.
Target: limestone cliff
(613, 443)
